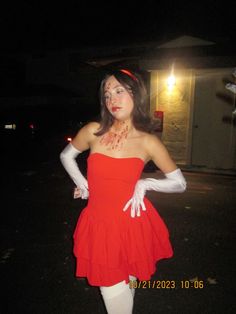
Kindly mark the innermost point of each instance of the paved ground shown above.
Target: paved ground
(37, 219)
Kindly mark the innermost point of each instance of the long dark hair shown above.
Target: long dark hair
(134, 84)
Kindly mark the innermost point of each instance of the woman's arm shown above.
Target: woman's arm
(68, 156)
(83, 139)
(174, 181)
(158, 153)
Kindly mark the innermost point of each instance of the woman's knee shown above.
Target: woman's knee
(112, 291)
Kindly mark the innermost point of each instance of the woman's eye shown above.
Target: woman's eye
(106, 97)
(119, 91)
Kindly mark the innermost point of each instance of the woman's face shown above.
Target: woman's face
(118, 100)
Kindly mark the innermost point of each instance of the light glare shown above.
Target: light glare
(171, 81)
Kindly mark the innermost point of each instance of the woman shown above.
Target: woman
(119, 235)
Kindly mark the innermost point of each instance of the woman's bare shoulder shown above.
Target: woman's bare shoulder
(92, 127)
(152, 142)
(85, 136)
(152, 138)
(149, 138)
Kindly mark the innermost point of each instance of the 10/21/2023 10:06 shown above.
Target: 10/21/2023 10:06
(166, 284)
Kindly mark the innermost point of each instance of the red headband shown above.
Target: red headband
(129, 74)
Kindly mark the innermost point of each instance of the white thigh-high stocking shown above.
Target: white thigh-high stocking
(118, 299)
(132, 284)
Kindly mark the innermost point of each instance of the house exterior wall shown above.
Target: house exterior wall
(214, 128)
(199, 128)
(176, 104)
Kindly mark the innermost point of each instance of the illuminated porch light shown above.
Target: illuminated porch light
(171, 81)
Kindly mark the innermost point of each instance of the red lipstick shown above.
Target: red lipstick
(113, 109)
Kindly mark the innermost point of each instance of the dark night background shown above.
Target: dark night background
(36, 25)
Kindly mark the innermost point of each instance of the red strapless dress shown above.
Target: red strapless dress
(109, 245)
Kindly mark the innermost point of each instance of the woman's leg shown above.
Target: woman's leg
(132, 284)
(118, 299)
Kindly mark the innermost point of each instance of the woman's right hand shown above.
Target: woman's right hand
(68, 159)
(81, 191)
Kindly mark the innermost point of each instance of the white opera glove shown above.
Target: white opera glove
(174, 182)
(68, 159)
